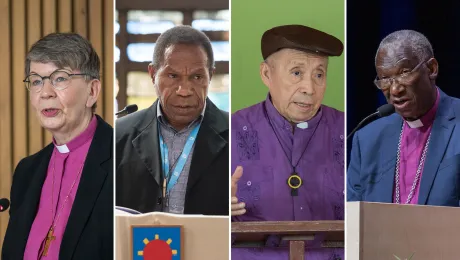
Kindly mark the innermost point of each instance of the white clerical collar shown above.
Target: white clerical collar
(415, 124)
(63, 148)
(303, 125)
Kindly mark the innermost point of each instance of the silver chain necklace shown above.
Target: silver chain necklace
(419, 169)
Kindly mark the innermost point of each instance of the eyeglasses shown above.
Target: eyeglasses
(405, 78)
(60, 80)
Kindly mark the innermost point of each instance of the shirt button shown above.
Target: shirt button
(301, 208)
(245, 128)
(249, 183)
(341, 137)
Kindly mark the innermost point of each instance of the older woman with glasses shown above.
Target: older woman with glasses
(61, 197)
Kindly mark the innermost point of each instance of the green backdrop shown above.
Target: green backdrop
(251, 18)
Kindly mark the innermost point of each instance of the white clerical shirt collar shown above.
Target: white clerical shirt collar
(428, 118)
(303, 125)
(415, 124)
(63, 148)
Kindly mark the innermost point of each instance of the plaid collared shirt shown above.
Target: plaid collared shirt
(175, 141)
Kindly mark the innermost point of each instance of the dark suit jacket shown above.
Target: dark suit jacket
(371, 171)
(89, 231)
(139, 170)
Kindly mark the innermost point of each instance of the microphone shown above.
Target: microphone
(4, 204)
(127, 110)
(382, 111)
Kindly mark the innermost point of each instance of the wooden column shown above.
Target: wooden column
(122, 72)
(6, 119)
(296, 250)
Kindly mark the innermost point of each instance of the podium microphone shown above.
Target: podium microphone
(4, 204)
(382, 111)
(127, 110)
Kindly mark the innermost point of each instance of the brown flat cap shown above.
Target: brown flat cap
(301, 38)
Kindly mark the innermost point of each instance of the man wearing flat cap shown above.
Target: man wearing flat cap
(287, 151)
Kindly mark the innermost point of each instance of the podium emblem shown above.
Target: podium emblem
(157, 242)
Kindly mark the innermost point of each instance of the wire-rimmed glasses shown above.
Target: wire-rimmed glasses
(59, 79)
(405, 78)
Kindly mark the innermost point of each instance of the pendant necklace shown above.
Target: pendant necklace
(417, 174)
(50, 237)
(293, 181)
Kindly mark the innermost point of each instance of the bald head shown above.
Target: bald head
(415, 42)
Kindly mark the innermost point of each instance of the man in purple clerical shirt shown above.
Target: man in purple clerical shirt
(413, 156)
(290, 146)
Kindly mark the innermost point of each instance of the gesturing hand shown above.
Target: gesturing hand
(237, 208)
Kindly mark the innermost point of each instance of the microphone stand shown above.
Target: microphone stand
(362, 122)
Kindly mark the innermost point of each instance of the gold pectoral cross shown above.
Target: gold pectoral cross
(49, 238)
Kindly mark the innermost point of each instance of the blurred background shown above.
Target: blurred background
(138, 25)
(22, 23)
(368, 22)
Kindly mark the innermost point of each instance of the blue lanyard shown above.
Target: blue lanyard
(180, 162)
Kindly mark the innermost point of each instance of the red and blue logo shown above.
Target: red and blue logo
(157, 242)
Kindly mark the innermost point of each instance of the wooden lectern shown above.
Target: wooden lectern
(382, 231)
(255, 234)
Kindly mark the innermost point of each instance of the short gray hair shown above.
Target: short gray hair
(182, 34)
(419, 44)
(65, 50)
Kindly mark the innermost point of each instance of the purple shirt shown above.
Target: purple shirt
(65, 164)
(318, 152)
(415, 135)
